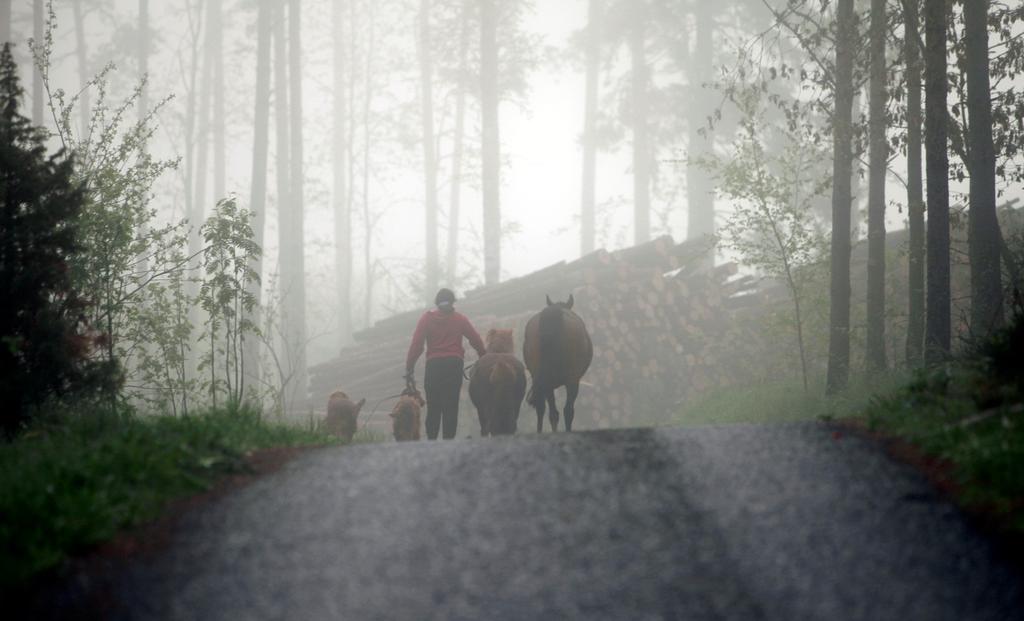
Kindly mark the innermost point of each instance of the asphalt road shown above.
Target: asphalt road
(745, 522)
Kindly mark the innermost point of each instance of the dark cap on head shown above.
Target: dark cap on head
(444, 296)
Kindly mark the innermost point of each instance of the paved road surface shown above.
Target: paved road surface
(743, 522)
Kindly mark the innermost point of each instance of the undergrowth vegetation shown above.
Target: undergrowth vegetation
(783, 401)
(970, 413)
(74, 483)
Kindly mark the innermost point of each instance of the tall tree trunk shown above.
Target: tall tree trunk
(367, 212)
(216, 55)
(588, 205)
(281, 141)
(189, 138)
(491, 146)
(984, 235)
(877, 167)
(856, 185)
(458, 140)
(429, 151)
(258, 192)
(82, 51)
(641, 141)
(342, 212)
(700, 200)
(38, 22)
(350, 100)
(198, 213)
(143, 52)
(293, 270)
(5, 21)
(282, 146)
(915, 199)
(839, 298)
(937, 319)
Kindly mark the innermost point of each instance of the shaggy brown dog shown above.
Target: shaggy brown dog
(341, 415)
(405, 417)
(498, 386)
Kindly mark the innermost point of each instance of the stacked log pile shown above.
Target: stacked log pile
(661, 321)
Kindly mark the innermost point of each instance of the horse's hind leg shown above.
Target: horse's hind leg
(571, 390)
(553, 413)
(485, 418)
(539, 406)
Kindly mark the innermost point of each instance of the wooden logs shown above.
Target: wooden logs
(661, 319)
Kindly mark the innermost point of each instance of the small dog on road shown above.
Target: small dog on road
(405, 417)
(341, 415)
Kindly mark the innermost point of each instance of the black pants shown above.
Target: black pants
(442, 381)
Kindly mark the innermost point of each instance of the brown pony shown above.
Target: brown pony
(341, 415)
(498, 386)
(405, 417)
(557, 350)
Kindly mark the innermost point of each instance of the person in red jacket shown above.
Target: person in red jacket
(442, 329)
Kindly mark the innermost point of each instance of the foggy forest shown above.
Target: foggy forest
(244, 223)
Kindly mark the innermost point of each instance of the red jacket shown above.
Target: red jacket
(443, 334)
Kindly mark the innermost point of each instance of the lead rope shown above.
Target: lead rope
(410, 386)
(375, 406)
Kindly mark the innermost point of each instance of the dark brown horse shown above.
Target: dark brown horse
(557, 351)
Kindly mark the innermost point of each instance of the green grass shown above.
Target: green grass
(67, 486)
(779, 402)
(963, 414)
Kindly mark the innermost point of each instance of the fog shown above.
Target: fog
(668, 120)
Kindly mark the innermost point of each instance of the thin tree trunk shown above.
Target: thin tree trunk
(216, 55)
(700, 200)
(143, 57)
(281, 141)
(190, 114)
(915, 199)
(5, 22)
(856, 183)
(877, 167)
(142, 51)
(367, 212)
(641, 141)
(292, 254)
(984, 235)
(429, 151)
(350, 148)
(588, 206)
(839, 299)
(82, 51)
(937, 320)
(198, 214)
(491, 154)
(195, 166)
(38, 22)
(258, 192)
(342, 212)
(281, 170)
(457, 149)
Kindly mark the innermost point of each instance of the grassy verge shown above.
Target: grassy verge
(969, 414)
(65, 487)
(779, 402)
